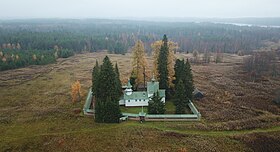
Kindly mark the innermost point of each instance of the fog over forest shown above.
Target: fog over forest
(137, 8)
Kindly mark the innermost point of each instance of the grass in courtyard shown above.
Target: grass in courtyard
(135, 110)
(170, 108)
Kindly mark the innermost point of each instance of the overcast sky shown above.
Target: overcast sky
(138, 8)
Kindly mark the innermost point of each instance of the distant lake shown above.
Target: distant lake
(250, 25)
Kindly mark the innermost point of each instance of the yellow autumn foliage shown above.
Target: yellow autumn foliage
(182, 150)
(17, 57)
(76, 91)
(172, 46)
(18, 46)
(139, 61)
(4, 59)
(56, 48)
(34, 57)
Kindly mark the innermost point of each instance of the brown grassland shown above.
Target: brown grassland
(37, 114)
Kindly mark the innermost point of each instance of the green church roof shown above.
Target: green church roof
(152, 87)
(136, 95)
(129, 86)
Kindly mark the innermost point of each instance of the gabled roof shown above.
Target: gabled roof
(196, 91)
(152, 87)
(136, 95)
(197, 94)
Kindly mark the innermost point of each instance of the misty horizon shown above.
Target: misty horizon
(128, 9)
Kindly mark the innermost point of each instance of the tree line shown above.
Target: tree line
(12, 59)
(120, 36)
(17, 58)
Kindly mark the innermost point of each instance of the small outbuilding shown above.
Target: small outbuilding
(197, 94)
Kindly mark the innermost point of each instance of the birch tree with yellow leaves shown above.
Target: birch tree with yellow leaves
(172, 47)
(139, 62)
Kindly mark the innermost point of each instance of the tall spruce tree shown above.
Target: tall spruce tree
(179, 70)
(119, 84)
(163, 64)
(183, 72)
(156, 106)
(107, 108)
(95, 73)
(189, 81)
(181, 98)
(172, 48)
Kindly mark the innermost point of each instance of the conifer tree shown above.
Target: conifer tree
(183, 72)
(107, 81)
(189, 81)
(95, 73)
(162, 64)
(132, 80)
(99, 111)
(172, 47)
(107, 96)
(181, 98)
(119, 84)
(179, 70)
(156, 106)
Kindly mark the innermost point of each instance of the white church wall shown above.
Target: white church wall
(163, 99)
(150, 95)
(135, 103)
(121, 102)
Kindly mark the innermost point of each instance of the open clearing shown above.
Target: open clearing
(36, 112)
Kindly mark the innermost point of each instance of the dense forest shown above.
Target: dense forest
(118, 36)
(17, 58)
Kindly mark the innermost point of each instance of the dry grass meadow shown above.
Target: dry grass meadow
(36, 112)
